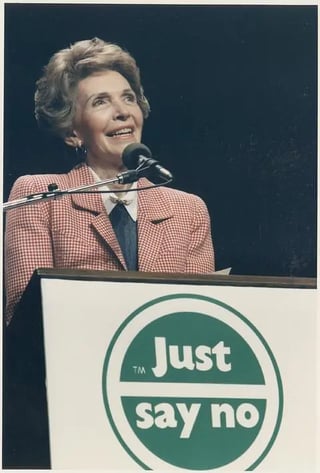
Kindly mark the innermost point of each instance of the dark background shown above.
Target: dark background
(233, 97)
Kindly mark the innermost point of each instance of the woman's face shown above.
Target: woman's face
(107, 118)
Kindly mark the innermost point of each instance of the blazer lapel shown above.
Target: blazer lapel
(153, 212)
(80, 176)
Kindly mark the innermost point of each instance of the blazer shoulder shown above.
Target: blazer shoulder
(175, 196)
(33, 183)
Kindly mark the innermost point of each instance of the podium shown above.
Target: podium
(133, 371)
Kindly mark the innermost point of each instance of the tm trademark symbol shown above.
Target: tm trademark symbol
(139, 369)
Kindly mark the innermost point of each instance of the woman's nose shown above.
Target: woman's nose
(121, 111)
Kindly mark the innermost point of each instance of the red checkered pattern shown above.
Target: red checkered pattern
(75, 232)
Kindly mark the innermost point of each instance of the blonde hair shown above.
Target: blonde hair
(55, 92)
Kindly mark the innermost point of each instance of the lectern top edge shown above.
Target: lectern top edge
(178, 278)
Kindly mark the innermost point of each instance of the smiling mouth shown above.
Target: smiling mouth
(123, 132)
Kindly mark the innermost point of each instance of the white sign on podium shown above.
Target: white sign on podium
(180, 377)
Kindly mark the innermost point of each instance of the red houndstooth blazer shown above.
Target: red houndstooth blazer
(74, 231)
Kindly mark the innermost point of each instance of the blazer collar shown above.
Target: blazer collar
(154, 210)
(81, 176)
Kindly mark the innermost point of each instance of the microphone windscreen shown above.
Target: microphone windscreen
(132, 153)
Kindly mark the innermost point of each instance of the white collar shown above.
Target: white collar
(111, 199)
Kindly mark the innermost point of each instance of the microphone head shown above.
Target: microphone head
(132, 153)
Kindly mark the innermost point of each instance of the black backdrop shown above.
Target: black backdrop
(233, 98)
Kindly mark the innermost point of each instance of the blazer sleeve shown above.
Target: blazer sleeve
(201, 257)
(28, 243)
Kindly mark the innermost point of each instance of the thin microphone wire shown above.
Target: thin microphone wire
(54, 192)
(137, 189)
(140, 168)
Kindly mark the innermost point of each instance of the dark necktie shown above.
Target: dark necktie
(126, 230)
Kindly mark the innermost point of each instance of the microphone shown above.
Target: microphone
(138, 155)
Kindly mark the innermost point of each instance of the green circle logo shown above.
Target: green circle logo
(189, 383)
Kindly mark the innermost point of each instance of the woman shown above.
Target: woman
(91, 96)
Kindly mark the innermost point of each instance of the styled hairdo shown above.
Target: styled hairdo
(55, 92)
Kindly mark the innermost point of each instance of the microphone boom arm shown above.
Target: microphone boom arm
(54, 192)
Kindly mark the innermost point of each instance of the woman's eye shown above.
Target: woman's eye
(99, 101)
(130, 98)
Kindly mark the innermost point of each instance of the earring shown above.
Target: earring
(81, 151)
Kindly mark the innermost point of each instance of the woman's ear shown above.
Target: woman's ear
(73, 140)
